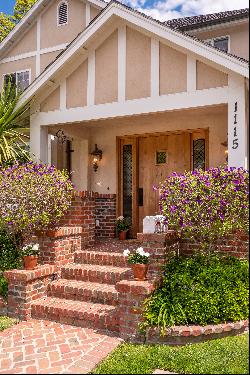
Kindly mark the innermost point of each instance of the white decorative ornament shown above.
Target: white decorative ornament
(149, 224)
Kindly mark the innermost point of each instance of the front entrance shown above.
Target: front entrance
(145, 161)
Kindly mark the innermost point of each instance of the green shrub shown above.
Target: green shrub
(197, 290)
(9, 259)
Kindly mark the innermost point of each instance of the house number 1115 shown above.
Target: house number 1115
(235, 137)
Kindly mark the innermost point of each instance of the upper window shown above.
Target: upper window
(62, 16)
(221, 43)
(19, 79)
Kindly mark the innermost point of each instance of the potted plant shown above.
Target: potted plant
(30, 256)
(122, 227)
(139, 262)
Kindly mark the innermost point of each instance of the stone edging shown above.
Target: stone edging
(182, 335)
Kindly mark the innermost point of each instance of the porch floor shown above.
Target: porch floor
(114, 245)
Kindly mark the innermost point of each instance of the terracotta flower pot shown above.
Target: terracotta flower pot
(140, 271)
(30, 262)
(122, 235)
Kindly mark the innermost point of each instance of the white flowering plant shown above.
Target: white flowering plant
(138, 256)
(31, 249)
(122, 224)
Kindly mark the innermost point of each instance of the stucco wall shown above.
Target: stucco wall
(77, 87)
(94, 12)
(26, 44)
(15, 66)
(239, 38)
(47, 58)
(173, 70)
(52, 102)
(138, 65)
(208, 77)
(106, 74)
(51, 34)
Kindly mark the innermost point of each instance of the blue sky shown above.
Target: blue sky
(167, 9)
(6, 6)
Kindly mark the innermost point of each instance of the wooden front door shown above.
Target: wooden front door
(159, 156)
(144, 162)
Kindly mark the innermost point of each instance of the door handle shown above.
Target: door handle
(140, 197)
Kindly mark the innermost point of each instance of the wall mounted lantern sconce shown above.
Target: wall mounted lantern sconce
(61, 137)
(97, 157)
(225, 144)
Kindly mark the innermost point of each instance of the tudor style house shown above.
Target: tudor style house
(122, 100)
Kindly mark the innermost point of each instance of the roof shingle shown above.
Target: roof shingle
(195, 22)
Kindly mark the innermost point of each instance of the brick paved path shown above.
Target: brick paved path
(43, 347)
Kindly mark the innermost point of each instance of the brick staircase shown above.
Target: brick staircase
(85, 295)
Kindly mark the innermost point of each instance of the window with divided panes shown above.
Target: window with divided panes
(19, 79)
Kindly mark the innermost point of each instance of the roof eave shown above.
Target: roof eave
(115, 8)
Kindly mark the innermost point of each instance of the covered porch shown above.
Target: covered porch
(138, 153)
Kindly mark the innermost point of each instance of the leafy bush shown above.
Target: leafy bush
(196, 290)
(33, 197)
(9, 259)
(206, 205)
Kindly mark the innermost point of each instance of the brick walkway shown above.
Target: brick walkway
(43, 347)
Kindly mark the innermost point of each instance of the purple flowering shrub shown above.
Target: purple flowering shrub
(206, 205)
(32, 197)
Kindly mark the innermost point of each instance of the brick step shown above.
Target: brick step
(95, 273)
(101, 258)
(83, 291)
(82, 314)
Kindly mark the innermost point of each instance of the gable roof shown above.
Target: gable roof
(29, 18)
(196, 22)
(115, 8)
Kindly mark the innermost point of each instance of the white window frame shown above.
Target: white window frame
(18, 71)
(212, 40)
(58, 6)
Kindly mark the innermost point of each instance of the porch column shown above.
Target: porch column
(38, 140)
(237, 123)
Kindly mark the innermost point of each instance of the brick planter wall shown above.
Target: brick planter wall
(131, 296)
(75, 231)
(26, 287)
(183, 335)
(236, 245)
(160, 246)
(105, 215)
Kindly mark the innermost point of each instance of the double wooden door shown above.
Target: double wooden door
(143, 163)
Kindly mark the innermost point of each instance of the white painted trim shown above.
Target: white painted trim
(38, 46)
(122, 52)
(218, 26)
(155, 67)
(203, 51)
(58, 7)
(49, 149)
(163, 103)
(18, 57)
(237, 122)
(87, 13)
(191, 74)
(91, 79)
(54, 48)
(63, 95)
(34, 53)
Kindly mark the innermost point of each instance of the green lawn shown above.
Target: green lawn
(222, 356)
(6, 322)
